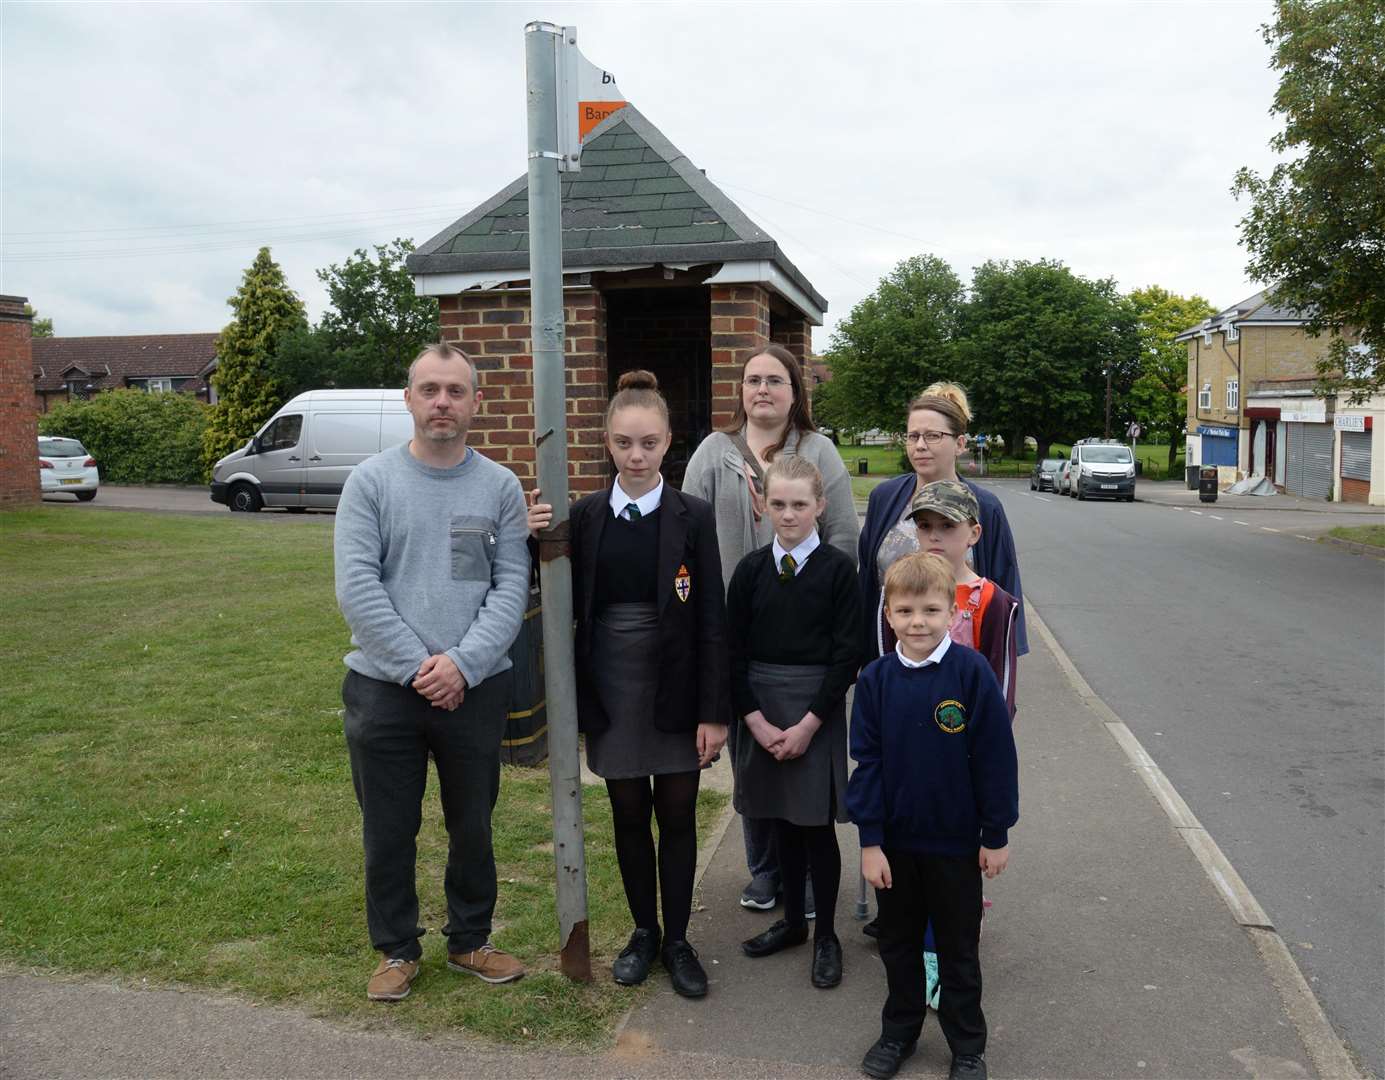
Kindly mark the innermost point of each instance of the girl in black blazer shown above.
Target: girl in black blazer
(653, 688)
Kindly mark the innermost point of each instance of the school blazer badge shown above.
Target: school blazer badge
(682, 583)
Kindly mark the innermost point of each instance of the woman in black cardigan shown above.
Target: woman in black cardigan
(652, 683)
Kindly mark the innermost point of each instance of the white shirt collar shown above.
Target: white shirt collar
(647, 503)
(806, 547)
(935, 657)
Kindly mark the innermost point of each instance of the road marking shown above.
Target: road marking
(1302, 537)
(1214, 517)
(1197, 512)
(1266, 528)
(1234, 522)
(1042, 499)
(1325, 1048)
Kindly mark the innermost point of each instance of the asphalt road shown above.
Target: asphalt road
(1251, 665)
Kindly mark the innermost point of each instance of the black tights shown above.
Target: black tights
(802, 847)
(673, 799)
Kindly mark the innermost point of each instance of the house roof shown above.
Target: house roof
(637, 201)
(1259, 309)
(111, 362)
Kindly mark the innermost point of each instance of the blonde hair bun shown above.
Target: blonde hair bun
(953, 393)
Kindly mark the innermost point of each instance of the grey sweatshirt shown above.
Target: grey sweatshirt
(715, 474)
(431, 561)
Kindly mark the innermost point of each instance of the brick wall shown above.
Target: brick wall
(18, 425)
(495, 330)
(740, 329)
(795, 333)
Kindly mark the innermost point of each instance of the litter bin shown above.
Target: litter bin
(526, 726)
(1207, 484)
(862, 466)
(1192, 471)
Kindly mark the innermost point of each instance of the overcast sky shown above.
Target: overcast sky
(150, 149)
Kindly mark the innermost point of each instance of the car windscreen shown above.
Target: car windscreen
(1051, 464)
(1107, 455)
(61, 448)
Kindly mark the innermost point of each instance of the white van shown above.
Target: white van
(303, 455)
(1101, 468)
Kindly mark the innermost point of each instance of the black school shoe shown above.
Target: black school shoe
(632, 965)
(779, 936)
(827, 962)
(884, 1058)
(872, 929)
(684, 970)
(967, 1067)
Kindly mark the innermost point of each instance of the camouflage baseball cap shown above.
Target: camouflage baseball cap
(950, 498)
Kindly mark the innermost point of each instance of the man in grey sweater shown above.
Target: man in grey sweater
(432, 575)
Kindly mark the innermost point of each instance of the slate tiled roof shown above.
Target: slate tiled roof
(111, 362)
(636, 200)
(1254, 309)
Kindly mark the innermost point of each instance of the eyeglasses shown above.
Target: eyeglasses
(773, 382)
(932, 438)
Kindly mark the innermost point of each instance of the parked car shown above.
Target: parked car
(1061, 478)
(1101, 468)
(304, 453)
(1045, 475)
(65, 465)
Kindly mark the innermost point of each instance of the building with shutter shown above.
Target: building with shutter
(1253, 410)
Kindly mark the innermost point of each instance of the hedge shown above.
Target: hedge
(136, 437)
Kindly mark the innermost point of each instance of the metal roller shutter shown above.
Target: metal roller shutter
(1315, 461)
(1356, 455)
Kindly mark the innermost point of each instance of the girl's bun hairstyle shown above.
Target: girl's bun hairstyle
(637, 388)
(954, 393)
(946, 399)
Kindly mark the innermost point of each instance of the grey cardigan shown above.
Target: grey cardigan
(716, 473)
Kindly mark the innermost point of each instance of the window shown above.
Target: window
(282, 434)
(1233, 395)
(1232, 334)
(154, 386)
(1204, 396)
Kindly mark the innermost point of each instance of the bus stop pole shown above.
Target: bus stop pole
(550, 429)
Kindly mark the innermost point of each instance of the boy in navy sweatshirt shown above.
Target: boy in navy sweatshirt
(934, 794)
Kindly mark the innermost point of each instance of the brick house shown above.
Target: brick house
(18, 426)
(71, 368)
(661, 270)
(1252, 410)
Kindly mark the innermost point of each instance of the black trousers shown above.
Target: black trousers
(390, 731)
(946, 890)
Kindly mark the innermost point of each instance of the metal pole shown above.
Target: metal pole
(550, 429)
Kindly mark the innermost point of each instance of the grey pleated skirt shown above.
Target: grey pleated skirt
(626, 675)
(810, 790)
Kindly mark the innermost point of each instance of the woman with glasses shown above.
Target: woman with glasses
(773, 419)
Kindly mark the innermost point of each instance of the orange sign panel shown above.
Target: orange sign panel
(591, 113)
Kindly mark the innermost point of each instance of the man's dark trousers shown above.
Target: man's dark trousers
(946, 889)
(390, 730)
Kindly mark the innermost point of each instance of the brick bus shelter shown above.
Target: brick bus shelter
(661, 270)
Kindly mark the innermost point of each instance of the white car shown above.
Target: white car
(65, 465)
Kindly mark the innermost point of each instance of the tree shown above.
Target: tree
(267, 311)
(39, 328)
(1316, 224)
(1038, 342)
(375, 325)
(895, 342)
(1158, 398)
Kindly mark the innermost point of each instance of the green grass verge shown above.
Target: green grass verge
(1361, 534)
(175, 795)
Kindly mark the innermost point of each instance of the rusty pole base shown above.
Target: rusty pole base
(575, 961)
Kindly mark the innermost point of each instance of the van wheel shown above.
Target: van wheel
(245, 498)
(85, 496)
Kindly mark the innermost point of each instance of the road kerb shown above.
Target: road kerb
(1324, 1047)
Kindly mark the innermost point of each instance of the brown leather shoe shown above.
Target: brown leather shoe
(487, 963)
(392, 980)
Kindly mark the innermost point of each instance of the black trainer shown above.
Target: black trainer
(779, 936)
(827, 962)
(884, 1058)
(632, 965)
(684, 970)
(967, 1067)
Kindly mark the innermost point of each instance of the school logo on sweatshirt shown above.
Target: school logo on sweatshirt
(950, 716)
(682, 583)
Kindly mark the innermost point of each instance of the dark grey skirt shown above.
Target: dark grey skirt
(625, 670)
(810, 790)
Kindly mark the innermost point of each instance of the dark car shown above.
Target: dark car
(1045, 475)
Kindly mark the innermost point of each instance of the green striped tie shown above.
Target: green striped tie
(786, 567)
(632, 511)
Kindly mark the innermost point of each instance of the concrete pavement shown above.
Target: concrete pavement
(1169, 493)
(1108, 953)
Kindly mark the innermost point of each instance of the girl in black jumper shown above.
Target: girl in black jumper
(793, 613)
(652, 687)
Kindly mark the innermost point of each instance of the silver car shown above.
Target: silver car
(65, 465)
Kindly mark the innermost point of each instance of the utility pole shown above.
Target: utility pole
(1108, 402)
(542, 42)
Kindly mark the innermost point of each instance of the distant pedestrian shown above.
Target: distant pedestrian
(792, 612)
(432, 575)
(773, 420)
(652, 686)
(934, 795)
